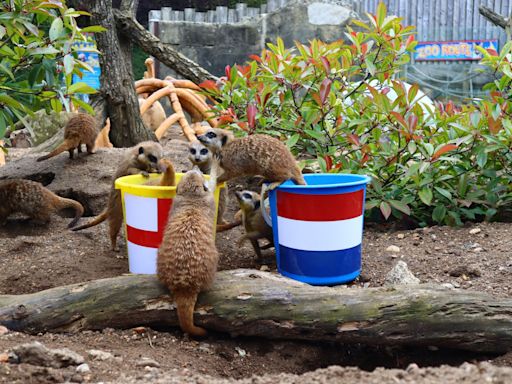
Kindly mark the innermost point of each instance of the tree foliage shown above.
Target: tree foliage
(38, 59)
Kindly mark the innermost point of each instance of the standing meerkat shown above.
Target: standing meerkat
(255, 226)
(80, 129)
(252, 155)
(140, 159)
(201, 157)
(187, 258)
(34, 200)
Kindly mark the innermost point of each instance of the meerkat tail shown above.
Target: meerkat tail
(185, 303)
(298, 178)
(70, 203)
(227, 226)
(65, 146)
(98, 219)
(169, 177)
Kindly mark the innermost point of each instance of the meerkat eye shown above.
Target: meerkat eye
(141, 150)
(204, 151)
(211, 135)
(152, 158)
(247, 196)
(193, 151)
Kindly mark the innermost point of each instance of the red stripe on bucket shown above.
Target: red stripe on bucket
(151, 239)
(311, 207)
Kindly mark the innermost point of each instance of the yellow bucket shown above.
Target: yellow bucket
(145, 210)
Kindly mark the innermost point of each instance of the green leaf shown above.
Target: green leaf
(56, 29)
(2, 31)
(370, 66)
(44, 51)
(314, 134)
(3, 125)
(444, 192)
(425, 195)
(481, 159)
(93, 28)
(401, 206)
(385, 208)
(439, 213)
(87, 107)
(9, 101)
(292, 140)
(7, 71)
(69, 63)
(81, 88)
(322, 163)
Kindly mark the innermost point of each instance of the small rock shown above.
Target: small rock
(474, 231)
(433, 237)
(448, 285)
(147, 362)
(400, 275)
(4, 357)
(393, 248)
(240, 351)
(96, 354)
(83, 368)
(412, 367)
(3, 330)
(139, 330)
(76, 378)
(36, 353)
(478, 249)
(264, 268)
(205, 347)
(467, 270)
(400, 236)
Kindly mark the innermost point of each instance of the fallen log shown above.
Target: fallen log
(253, 303)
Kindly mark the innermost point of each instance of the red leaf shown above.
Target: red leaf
(328, 162)
(265, 99)
(354, 139)
(208, 84)
(364, 48)
(255, 57)
(244, 69)
(325, 89)
(364, 159)
(317, 98)
(409, 40)
(327, 65)
(243, 125)
(339, 120)
(492, 52)
(225, 119)
(385, 91)
(251, 115)
(385, 208)
(443, 149)
(413, 122)
(494, 125)
(399, 118)
(298, 121)
(227, 71)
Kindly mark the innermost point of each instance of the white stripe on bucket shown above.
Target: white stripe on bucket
(141, 259)
(141, 212)
(320, 235)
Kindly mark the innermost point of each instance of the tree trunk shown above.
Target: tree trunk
(497, 19)
(130, 8)
(254, 303)
(150, 44)
(127, 128)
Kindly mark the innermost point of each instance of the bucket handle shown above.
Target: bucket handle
(263, 206)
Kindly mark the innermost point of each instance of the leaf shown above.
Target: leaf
(80, 88)
(251, 115)
(425, 195)
(444, 192)
(412, 122)
(69, 63)
(93, 28)
(443, 150)
(370, 66)
(292, 140)
(326, 64)
(401, 206)
(56, 29)
(481, 159)
(2, 31)
(7, 71)
(44, 51)
(439, 213)
(385, 209)
(325, 89)
(87, 107)
(31, 27)
(314, 134)
(9, 101)
(208, 84)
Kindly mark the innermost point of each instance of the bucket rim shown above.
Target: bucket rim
(363, 180)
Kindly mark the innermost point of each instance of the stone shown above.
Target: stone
(400, 236)
(147, 362)
(400, 275)
(83, 368)
(393, 248)
(474, 231)
(36, 353)
(3, 330)
(97, 354)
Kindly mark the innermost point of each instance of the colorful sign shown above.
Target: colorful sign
(452, 50)
(86, 52)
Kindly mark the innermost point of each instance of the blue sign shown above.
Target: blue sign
(86, 52)
(452, 50)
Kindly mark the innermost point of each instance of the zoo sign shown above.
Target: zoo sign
(452, 50)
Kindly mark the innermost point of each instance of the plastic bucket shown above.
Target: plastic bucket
(318, 228)
(146, 210)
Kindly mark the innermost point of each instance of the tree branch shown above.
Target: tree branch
(493, 17)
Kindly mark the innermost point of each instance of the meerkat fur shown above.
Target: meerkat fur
(80, 129)
(141, 159)
(34, 200)
(187, 258)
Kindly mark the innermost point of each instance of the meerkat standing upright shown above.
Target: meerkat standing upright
(140, 159)
(252, 155)
(255, 226)
(34, 200)
(187, 258)
(80, 129)
(201, 156)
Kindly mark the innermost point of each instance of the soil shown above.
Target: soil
(35, 257)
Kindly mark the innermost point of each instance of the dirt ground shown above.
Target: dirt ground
(34, 258)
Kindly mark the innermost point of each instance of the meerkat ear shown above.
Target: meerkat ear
(141, 150)
(224, 139)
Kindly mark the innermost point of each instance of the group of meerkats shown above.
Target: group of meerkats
(187, 258)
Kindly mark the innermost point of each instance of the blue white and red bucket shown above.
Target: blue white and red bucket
(318, 227)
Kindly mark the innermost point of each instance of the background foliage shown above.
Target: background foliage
(332, 105)
(37, 58)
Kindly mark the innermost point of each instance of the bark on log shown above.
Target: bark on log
(127, 128)
(254, 303)
(492, 16)
(162, 52)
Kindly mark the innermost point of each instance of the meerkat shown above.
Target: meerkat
(80, 129)
(34, 200)
(187, 258)
(255, 226)
(201, 157)
(140, 159)
(252, 155)
(168, 178)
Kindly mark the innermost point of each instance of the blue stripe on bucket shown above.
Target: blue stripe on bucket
(314, 265)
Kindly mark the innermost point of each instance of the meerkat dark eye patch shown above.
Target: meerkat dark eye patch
(257, 205)
(204, 151)
(152, 158)
(193, 151)
(224, 140)
(247, 196)
(211, 135)
(141, 150)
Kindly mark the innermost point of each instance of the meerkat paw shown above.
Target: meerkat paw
(274, 185)
(144, 174)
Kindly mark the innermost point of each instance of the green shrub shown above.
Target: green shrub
(330, 104)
